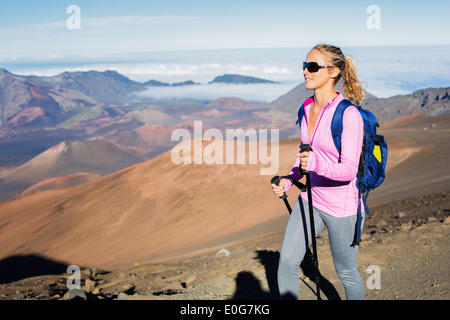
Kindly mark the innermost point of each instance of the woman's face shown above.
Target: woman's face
(314, 80)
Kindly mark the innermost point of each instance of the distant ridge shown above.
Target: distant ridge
(239, 79)
(155, 83)
(431, 101)
(226, 78)
(46, 103)
(39, 112)
(107, 86)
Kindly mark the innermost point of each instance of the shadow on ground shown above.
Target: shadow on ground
(248, 287)
(15, 268)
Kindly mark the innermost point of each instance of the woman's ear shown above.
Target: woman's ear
(334, 72)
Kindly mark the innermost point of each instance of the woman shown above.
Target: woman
(333, 175)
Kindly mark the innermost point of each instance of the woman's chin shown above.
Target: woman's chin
(309, 85)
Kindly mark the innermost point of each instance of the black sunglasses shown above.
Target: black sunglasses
(314, 66)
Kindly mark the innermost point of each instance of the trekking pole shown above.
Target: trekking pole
(276, 180)
(315, 262)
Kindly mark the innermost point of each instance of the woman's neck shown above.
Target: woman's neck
(322, 96)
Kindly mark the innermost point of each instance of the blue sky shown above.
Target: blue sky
(38, 28)
(179, 40)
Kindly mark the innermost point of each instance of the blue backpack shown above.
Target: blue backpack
(372, 163)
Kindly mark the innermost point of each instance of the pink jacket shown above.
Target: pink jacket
(333, 179)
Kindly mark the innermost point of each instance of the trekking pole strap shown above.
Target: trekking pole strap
(298, 184)
(276, 181)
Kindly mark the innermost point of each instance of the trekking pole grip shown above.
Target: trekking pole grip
(276, 181)
(305, 147)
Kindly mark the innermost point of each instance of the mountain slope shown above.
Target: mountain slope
(148, 211)
(64, 159)
(288, 104)
(14, 92)
(158, 211)
(431, 101)
(24, 102)
(107, 86)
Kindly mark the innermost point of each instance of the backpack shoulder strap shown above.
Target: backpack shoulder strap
(301, 110)
(301, 114)
(337, 123)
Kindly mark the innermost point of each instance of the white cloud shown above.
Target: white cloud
(277, 70)
(250, 92)
(389, 71)
(177, 71)
(386, 71)
(382, 88)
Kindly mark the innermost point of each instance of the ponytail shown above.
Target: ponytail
(352, 88)
(347, 66)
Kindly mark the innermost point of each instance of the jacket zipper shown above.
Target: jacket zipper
(316, 125)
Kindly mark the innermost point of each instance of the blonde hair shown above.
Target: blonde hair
(347, 66)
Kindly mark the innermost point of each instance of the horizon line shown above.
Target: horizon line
(91, 57)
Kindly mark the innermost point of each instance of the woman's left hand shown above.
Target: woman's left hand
(303, 156)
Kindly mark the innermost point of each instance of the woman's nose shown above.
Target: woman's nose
(305, 71)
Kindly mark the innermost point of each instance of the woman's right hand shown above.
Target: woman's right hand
(279, 190)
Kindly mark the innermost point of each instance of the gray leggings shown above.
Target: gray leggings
(296, 240)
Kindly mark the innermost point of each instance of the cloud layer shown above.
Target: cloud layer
(249, 92)
(384, 71)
